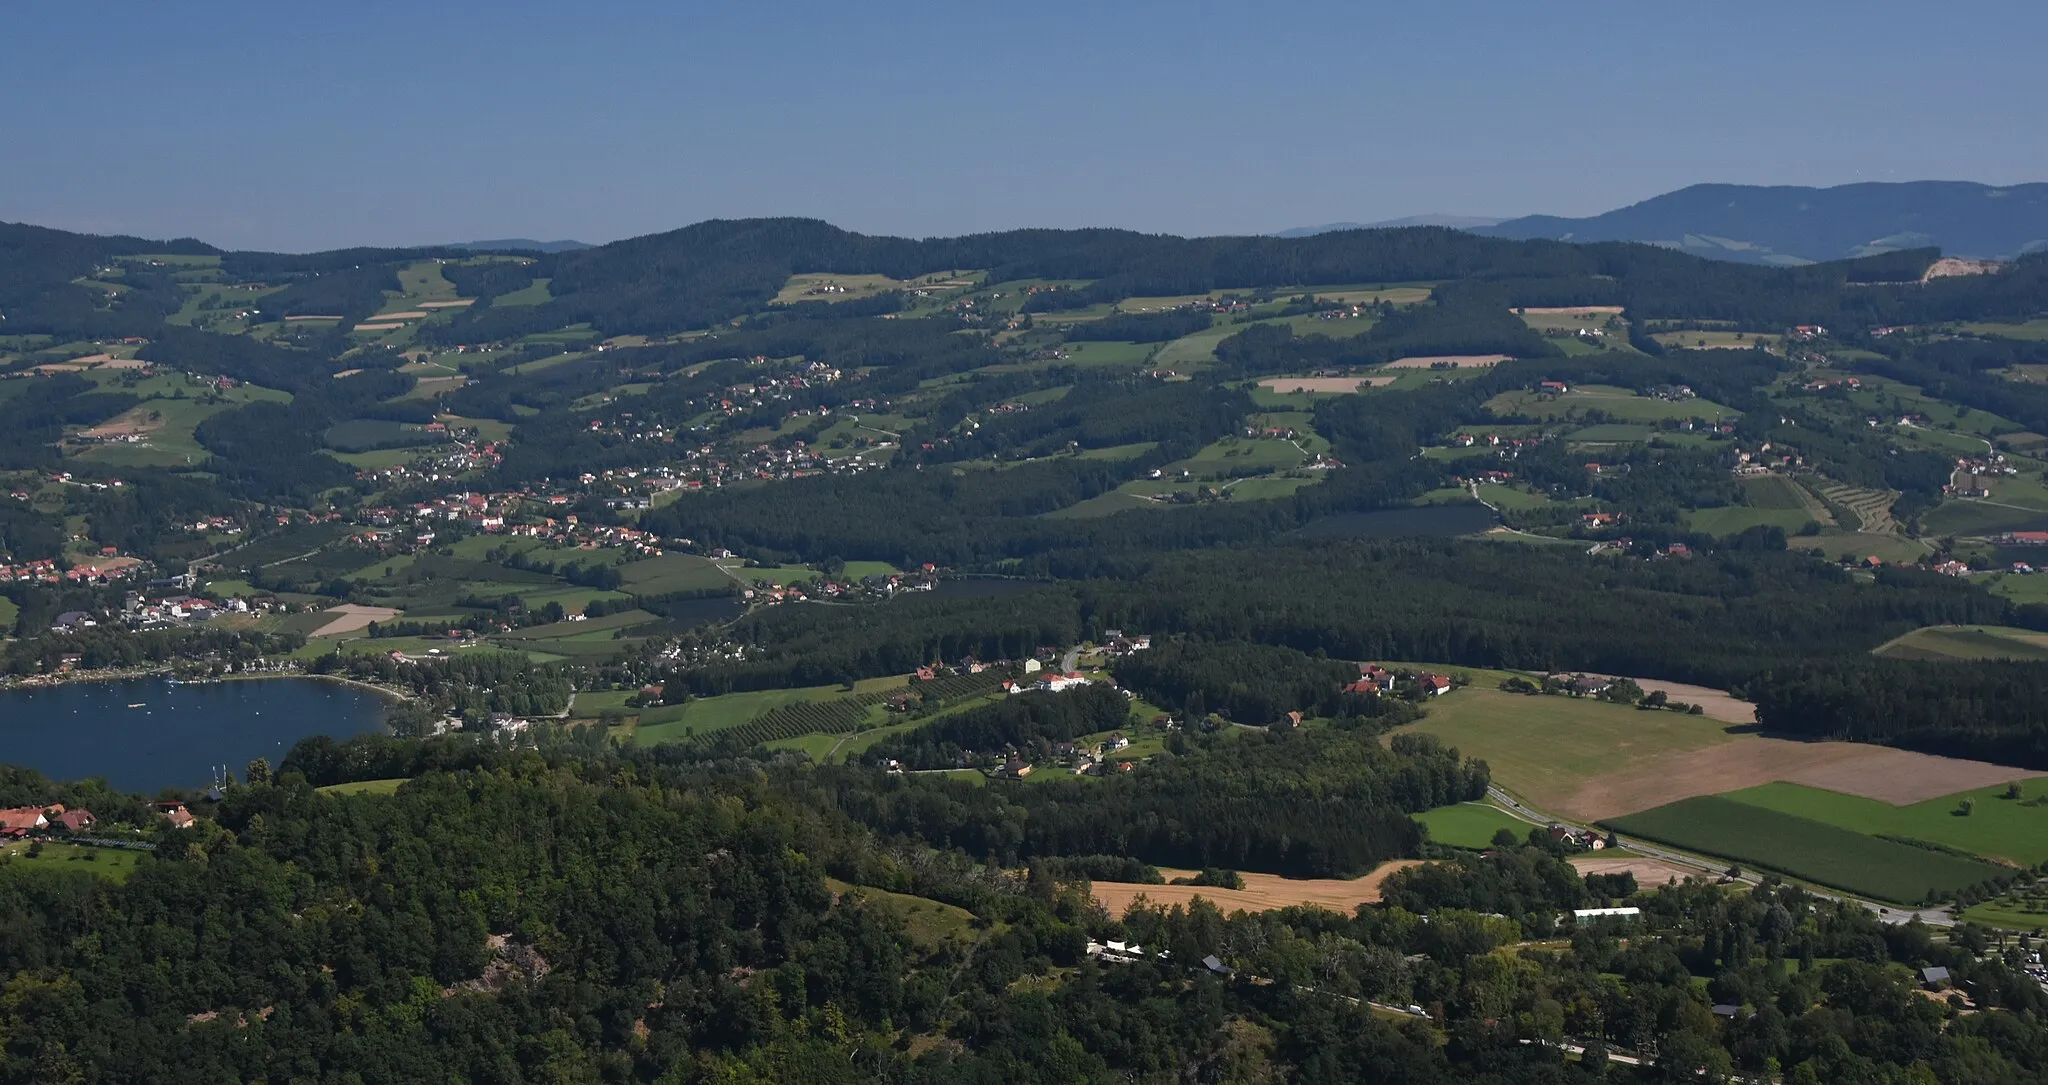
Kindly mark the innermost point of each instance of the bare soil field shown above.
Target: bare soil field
(1898, 777)
(1570, 310)
(127, 424)
(1648, 872)
(1261, 892)
(447, 304)
(350, 618)
(1715, 704)
(1455, 361)
(1324, 385)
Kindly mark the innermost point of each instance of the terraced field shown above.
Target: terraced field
(1872, 509)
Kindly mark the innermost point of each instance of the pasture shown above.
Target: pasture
(1615, 404)
(2032, 330)
(1998, 828)
(365, 787)
(1733, 519)
(1947, 643)
(1589, 760)
(1804, 848)
(930, 924)
(708, 715)
(113, 864)
(1470, 824)
(1716, 340)
(1261, 892)
(673, 573)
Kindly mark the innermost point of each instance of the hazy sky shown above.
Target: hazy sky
(298, 126)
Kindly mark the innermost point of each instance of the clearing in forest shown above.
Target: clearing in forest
(1946, 643)
(1261, 892)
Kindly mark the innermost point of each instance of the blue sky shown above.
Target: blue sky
(298, 126)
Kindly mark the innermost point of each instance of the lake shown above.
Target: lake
(179, 732)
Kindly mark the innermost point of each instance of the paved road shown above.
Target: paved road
(1933, 917)
(1069, 661)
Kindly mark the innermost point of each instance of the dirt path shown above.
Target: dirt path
(1261, 892)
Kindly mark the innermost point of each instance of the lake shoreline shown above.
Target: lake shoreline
(146, 733)
(89, 678)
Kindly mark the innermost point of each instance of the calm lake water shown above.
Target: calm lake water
(88, 729)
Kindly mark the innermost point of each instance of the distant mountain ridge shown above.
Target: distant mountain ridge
(1455, 222)
(1791, 224)
(519, 244)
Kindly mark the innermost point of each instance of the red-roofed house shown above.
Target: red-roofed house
(20, 821)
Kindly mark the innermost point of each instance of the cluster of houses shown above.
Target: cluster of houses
(1765, 459)
(23, 821)
(1080, 759)
(1374, 680)
(1968, 479)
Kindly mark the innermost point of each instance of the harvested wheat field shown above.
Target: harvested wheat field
(1715, 704)
(128, 424)
(380, 327)
(1648, 872)
(1453, 361)
(350, 618)
(447, 304)
(410, 314)
(1898, 777)
(1261, 892)
(1340, 385)
(1570, 310)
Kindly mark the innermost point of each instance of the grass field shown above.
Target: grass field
(1996, 828)
(1714, 340)
(673, 573)
(2036, 330)
(1544, 747)
(1739, 518)
(1971, 642)
(1971, 516)
(1804, 848)
(1470, 824)
(2012, 912)
(114, 864)
(364, 787)
(706, 715)
(930, 924)
(10, 611)
(1619, 404)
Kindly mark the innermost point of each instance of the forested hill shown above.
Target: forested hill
(1789, 224)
